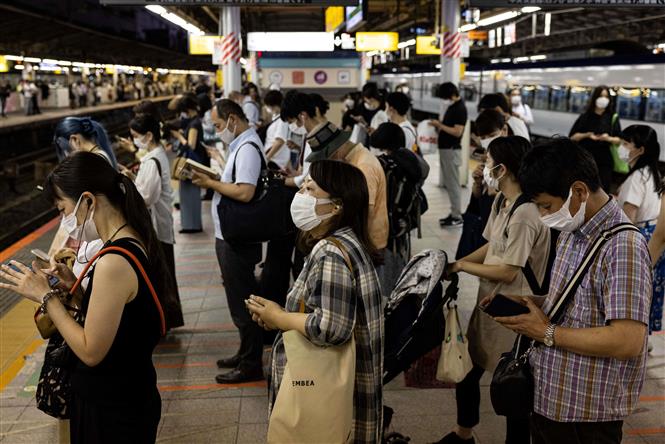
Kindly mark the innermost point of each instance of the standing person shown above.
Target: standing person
(520, 110)
(250, 104)
(113, 380)
(277, 131)
(596, 130)
(191, 147)
(237, 261)
(339, 303)
(498, 102)
(397, 106)
(589, 368)
(350, 101)
(5, 91)
(451, 129)
(639, 196)
(82, 134)
(153, 182)
(299, 110)
(516, 238)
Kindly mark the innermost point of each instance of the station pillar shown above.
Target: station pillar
(450, 18)
(230, 16)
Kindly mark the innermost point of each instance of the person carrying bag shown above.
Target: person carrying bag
(455, 361)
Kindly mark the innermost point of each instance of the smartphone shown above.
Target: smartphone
(504, 306)
(39, 254)
(52, 280)
(13, 267)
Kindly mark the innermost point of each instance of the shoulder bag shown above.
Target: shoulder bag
(54, 388)
(511, 389)
(267, 216)
(314, 403)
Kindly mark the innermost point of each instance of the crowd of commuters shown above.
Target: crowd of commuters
(356, 196)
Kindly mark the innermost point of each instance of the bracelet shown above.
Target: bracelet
(47, 297)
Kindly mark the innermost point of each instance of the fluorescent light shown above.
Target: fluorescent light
(438, 66)
(32, 59)
(468, 27)
(530, 9)
(411, 42)
(19, 67)
(548, 23)
(159, 10)
(13, 57)
(495, 61)
(175, 19)
(505, 60)
(538, 57)
(284, 41)
(498, 18)
(520, 59)
(50, 61)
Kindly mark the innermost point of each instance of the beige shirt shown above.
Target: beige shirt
(365, 161)
(527, 240)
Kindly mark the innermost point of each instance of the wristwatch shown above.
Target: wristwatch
(549, 335)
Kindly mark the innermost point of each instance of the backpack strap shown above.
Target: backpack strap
(159, 166)
(263, 161)
(136, 262)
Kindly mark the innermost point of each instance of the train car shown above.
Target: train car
(556, 91)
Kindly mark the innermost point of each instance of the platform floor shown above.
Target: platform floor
(196, 410)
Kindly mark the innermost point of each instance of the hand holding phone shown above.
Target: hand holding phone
(501, 306)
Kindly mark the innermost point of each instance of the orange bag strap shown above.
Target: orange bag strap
(134, 259)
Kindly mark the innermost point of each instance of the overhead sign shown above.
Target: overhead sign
(230, 2)
(202, 44)
(563, 3)
(355, 15)
(4, 66)
(477, 35)
(427, 45)
(376, 41)
(334, 18)
(291, 41)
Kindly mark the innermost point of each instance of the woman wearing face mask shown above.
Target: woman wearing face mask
(192, 147)
(82, 134)
(372, 113)
(596, 129)
(339, 303)
(513, 242)
(113, 380)
(154, 183)
(640, 197)
(521, 110)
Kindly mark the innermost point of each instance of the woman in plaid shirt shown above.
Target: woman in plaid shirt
(339, 302)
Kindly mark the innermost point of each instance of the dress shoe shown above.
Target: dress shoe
(231, 362)
(237, 376)
(453, 438)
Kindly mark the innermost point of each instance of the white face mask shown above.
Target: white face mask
(303, 211)
(86, 232)
(492, 182)
(371, 107)
(602, 102)
(515, 100)
(349, 103)
(485, 143)
(140, 144)
(562, 220)
(226, 135)
(624, 153)
(447, 102)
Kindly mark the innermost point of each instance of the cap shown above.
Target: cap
(325, 140)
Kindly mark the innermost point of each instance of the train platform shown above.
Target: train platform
(17, 119)
(197, 410)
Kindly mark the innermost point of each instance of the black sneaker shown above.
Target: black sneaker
(452, 438)
(451, 222)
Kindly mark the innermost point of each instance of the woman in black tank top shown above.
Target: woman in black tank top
(113, 382)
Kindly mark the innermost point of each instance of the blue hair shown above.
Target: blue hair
(88, 128)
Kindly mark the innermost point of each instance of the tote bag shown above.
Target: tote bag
(455, 361)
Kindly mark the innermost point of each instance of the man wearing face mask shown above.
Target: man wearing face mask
(589, 367)
(237, 261)
(450, 149)
(596, 130)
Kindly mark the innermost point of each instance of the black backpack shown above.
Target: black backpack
(529, 275)
(406, 200)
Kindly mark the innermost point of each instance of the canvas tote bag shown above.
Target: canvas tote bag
(455, 361)
(314, 404)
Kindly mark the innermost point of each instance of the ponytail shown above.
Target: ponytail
(86, 127)
(102, 139)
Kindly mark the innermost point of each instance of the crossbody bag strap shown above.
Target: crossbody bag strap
(591, 254)
(134, 259)
(347, 261)
(263, 162)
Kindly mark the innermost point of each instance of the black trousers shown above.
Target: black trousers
(546, 431)
(467, 394)
(173, 310)
(276, 274)
(237, 264)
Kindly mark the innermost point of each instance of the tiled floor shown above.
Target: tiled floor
(196, 410)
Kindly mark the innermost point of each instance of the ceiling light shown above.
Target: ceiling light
(498, 18)
(495, 61)
(407, 43)
(530, 9)
(175, 19)
(19, 67)
(538, 57)
(32, 59)
(520, 59)
(13, 57)
(468, 27)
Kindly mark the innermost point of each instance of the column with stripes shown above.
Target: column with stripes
(452, 45)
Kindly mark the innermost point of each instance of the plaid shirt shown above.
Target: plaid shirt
(338, 309)
(570, 387)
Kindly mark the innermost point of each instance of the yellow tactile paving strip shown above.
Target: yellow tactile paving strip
(18, 338)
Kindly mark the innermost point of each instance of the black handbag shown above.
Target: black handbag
(54, 388)
(511, 389)
(267, 216)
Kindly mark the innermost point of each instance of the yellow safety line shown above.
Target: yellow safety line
(16, 366)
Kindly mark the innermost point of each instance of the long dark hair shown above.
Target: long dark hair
(84, 171)
(86, 127)
(346, 184)
(509, 152)
(643, 136)
(597, 91)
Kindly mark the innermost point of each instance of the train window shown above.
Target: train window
(628, 103)
(528, 95)
(655, 110)
(558, 99)
(541, 97)
(579, 98)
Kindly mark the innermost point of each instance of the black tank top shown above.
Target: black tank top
(126, 373)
